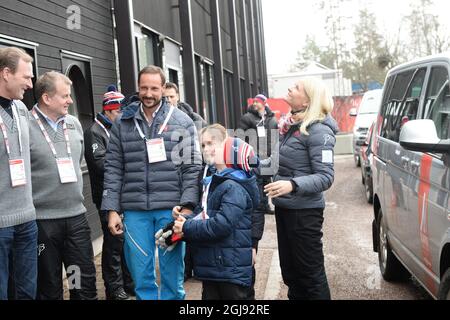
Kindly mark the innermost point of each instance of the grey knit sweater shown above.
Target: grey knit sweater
(52, 199)
(16, 204)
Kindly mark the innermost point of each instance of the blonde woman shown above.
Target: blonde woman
(306, 170)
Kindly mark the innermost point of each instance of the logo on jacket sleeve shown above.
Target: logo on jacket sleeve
(41, 248)
(94, 147)
(326, 138)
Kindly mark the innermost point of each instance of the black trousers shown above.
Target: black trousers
(300, 249)
(188, 262)
(66, 241)
(263, 205)
(213, 290)
(114, 270)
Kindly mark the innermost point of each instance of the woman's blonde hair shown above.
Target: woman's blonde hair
(216, 130)
(320, 102)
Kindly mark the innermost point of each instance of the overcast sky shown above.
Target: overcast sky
(287, 22)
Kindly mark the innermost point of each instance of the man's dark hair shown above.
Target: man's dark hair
(171, 85)
(153, 70)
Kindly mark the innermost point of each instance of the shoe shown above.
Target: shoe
(119, 294)
(130, 291)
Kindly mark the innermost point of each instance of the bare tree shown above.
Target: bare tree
(426, 32)
(312, 52)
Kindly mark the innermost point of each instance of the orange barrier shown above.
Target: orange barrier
(341, 112)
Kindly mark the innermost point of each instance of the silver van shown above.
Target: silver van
(365, 116)
(411, 177)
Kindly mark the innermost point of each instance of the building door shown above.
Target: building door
(78, 70)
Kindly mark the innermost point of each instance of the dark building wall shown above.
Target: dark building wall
(240, 39)
(45, 23)
(226, 36)
(201, 26)
(160, 15)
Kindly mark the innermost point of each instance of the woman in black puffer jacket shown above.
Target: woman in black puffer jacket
(306, 170)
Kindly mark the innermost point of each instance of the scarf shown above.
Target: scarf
(286, 124)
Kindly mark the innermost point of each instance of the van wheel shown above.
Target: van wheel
(444, 288)
(369, 192)
(391, 269)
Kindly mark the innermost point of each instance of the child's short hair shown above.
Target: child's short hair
(217, 130)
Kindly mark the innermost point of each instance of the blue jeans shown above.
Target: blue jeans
(139, 248)
(18, 246)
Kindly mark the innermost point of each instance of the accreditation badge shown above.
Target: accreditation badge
(261, 131)
(66, 170)
(17, 170)
(156, 150)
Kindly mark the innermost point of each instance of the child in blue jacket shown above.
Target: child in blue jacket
(220, 230)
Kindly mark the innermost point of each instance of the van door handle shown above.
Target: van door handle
(405, 162)
(415, 166)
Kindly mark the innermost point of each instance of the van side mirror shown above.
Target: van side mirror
(421, 136)
(353, 112)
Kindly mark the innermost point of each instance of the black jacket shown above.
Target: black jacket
(198, 120)
(251, 120)
(308, 161)
(95, 144)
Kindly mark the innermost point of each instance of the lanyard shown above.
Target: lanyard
(205, 195)
(263, 118)
(103, 127)
(5, 133)
(166, 121)
(47, 137)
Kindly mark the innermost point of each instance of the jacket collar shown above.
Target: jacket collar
(104, 120)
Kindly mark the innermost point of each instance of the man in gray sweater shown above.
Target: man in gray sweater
(18, 230)
(56, 142)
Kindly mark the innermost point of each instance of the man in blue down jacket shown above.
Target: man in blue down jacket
(152, 164)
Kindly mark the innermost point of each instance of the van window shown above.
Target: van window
(401, 83)
(403, 102)
(438, 101)
(388, 89)
(437, 106)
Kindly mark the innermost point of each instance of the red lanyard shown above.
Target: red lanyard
(5, 133)
(47, 137)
